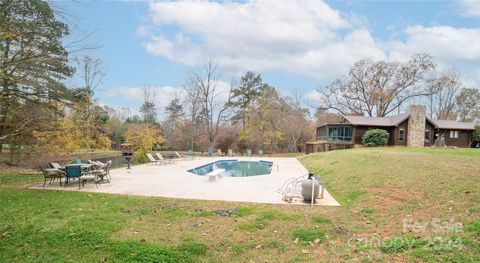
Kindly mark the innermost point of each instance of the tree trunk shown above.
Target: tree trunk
(210, 147)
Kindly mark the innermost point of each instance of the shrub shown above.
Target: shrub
(375, 138)
(476, 133)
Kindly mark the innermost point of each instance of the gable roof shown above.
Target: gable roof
(448, 124)
(392, 121)
(377, 121)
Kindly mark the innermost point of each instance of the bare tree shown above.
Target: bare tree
(192, 105)
(444, 90)
(378, 88)
(205, 81)
(92, 73)
(323, 116)
(468, 105)
(296, 127)
(148, 109)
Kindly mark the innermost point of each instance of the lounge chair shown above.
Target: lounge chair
(160, 158)
(52, 174)
(151, 159)
(230, 152)
(219, 152)
(180, 157)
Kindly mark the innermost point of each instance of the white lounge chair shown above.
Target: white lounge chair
(180, 157)
(230, 152)
(160, 158)
(151, 159)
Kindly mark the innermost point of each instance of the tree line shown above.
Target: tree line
(245, 114)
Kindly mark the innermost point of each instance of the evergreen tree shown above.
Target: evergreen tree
(33, 64)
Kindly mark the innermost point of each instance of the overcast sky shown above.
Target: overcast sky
(296, 46)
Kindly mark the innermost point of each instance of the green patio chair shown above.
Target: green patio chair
(76, 171)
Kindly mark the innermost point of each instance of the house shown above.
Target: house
(410, 129)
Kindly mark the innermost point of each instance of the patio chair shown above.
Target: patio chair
(95, 166)
(151, 159)
(77, 172)
(78, 161)
(103, 174)
(107, 168)
(230, 152)
(57, 166)
(161, 159)
(219, 152)
(100, 164)
(52, 174)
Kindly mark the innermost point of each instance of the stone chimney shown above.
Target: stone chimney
(416, 125)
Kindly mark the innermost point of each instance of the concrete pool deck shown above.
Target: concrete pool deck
(174, 181)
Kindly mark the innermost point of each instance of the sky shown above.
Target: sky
(297, 46)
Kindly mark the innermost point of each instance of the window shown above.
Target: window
(340, 134)
(401, 135)
(454, 134)
(427, 136)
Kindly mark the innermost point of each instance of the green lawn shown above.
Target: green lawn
(378, 188)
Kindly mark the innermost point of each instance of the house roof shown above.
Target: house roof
(377, 121)
(448, 124)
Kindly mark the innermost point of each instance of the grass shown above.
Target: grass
(307, 235)
(380, 190)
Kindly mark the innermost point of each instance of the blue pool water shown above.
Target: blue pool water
(235, 168)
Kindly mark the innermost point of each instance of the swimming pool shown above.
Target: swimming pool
(235, 168)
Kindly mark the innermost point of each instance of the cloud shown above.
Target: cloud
(304, 38)
(142, 31)
(298, 37)
(447, 44)
(469, 7)
(451, 47)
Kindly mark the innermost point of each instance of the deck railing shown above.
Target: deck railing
(334, 138)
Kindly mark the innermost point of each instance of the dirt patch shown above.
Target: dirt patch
(390, 196)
